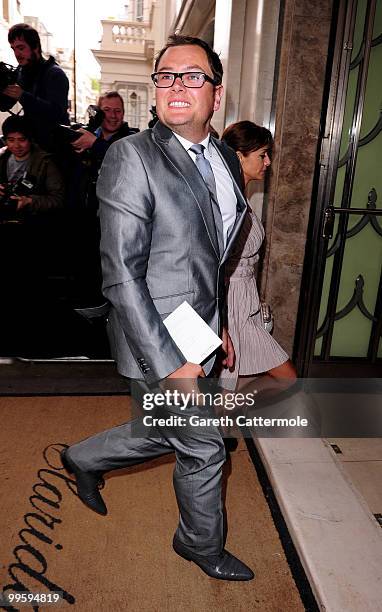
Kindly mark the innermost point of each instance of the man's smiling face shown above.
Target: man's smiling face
(187, 111)
(113, 109)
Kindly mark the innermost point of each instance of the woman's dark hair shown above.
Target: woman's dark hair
(246, 136)
(13, 124)
(178, 40)
(27, 33)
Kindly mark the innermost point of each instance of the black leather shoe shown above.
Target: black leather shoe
(224, 566)
(88, 484)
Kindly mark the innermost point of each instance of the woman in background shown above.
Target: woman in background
(256, 351)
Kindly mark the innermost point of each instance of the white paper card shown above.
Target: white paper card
(191, 333)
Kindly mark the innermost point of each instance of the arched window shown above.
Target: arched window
(133, 109)
(136, 99)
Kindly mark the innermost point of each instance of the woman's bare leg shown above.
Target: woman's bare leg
(274, 381)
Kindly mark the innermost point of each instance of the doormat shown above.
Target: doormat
(52, 544)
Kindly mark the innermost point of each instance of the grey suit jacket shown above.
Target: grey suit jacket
(158, 247)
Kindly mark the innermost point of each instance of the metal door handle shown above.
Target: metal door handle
(331, 211)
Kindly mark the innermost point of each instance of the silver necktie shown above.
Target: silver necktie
(205, 170)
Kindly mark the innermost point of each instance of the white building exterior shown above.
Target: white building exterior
(126, 54)
(10, 13)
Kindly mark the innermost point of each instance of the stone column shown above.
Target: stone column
(298, 103)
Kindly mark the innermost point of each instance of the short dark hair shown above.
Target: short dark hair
(14, 123)
(27, 33)
(178, 40)
(111, 94)
(246, 136)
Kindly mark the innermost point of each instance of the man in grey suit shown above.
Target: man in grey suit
(170, 208)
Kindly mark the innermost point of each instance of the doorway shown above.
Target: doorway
(340, 311)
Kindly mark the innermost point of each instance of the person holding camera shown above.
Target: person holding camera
(31, 191)
(111, 129)
(41, 86)
(27, 173)
(95, 144)
(91, 148)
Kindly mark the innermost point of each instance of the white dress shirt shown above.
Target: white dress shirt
(224, 185)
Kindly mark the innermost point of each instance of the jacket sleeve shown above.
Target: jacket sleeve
(100, 146)
(55, 104)
(127, 211)
(53, 187)
(98, 151)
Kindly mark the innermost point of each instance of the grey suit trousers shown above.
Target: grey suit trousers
(200, 455)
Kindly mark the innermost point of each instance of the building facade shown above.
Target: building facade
(126, 54)
(9, 14)
(85, 94)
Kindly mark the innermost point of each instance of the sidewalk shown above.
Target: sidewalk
(338, 539)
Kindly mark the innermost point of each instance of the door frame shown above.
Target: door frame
(324, 183)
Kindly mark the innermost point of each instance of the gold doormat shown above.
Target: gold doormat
(50, 542)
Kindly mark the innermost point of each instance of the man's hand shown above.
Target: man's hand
(13, 91)
(22, 201)
(185, 380)
(1, 190)
(188, 370)
(228, 349)
(84, 142)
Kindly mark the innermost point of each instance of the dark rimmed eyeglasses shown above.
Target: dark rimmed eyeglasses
(189, 79)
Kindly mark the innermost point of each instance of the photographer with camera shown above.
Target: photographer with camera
(29, 180)
(112, 128)
(39, 85)
(91, 147)
(31, 193)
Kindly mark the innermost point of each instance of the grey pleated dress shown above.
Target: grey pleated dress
(256, 350)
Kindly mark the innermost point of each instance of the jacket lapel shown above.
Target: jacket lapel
(180, 159)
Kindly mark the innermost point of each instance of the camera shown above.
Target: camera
(22, 187)
(8, 75)
(153, 111)
(70, 133)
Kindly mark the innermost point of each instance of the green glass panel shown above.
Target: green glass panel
(351, 336)
(329, 261)
(362, 256)
(368, 174)
(317, 347)
(359, 27)
(378, 20)
(349, 109)
(363, 252)
(372, 108)
(339, 188)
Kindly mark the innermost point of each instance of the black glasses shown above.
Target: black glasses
(189, 79)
